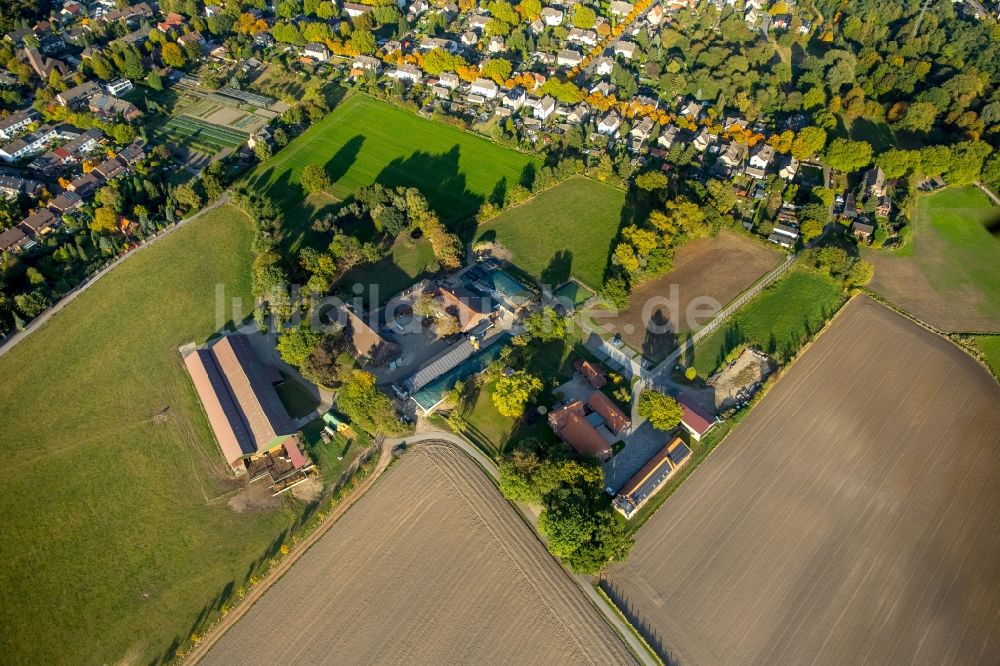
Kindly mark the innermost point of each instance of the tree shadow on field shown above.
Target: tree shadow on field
(661, 335)
(439, 179)
(344, 158)
(559, 269)
(527, 175)
(499, 195)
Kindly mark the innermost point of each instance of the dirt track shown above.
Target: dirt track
(851, 518)
(431, 566)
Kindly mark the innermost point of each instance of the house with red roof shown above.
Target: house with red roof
(696, 420)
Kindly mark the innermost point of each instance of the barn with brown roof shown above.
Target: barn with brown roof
(365, 341)
(242, 405)
(614, 418)
(468, 307)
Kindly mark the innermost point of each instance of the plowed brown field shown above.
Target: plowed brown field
(851, 518)
(433, 566)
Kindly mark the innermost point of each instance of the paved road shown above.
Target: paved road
(37, 322)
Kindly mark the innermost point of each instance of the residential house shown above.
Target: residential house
(431, 43)
(171, 24)
(12, 187)
(78, 94)
(874, 180)
(367, 64)
(478, 22)
(17, 122)
(469, 38)
(603, 88)
(568, 58)
(581, 36)
(13, 240)
(118, 87)
(625, 49)
(579, 114)
(614, 419)
(407, 72)
(44, 66)
(449, 80)
(485, 87)
(704, 140)
(110, 168)
(862, 228)
(496, 44)
(850, 206)
(760, 161)
(789, 170)
(316, 51)
(263, 39)
(85, 185)
(29, 144)
(668, 137)
(66, 202)
(692, 110)
(468, 308)
(193, 37)
(354, 9)
(731, 155)
(132, 153)
(655, 15)
(620, 9)
(40, 222)
(642, 130)
(609, 124)
(263, 136)
(112, 107)
(571, 425)
(805, 27)
(514, 99)
(781, 21)
(475, 99)
(604, 66)
(544, 108)
(366, 344)
(552, 16)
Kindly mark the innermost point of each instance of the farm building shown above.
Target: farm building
(253, 429)
(594, 376)
(696, 420)
(650, 478)
(366, 344)
(590, 427)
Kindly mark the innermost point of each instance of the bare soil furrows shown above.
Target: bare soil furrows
(851, 518)
(431, 566)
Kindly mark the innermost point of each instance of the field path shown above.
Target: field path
(37, 322)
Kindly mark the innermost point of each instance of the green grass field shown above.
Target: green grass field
(566, 230)
(407, 262)
(115, 535)
(948, 275)
(779, 320)
(365, 141)
(989, 347)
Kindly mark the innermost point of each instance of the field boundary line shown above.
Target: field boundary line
(950, 337)
(70, 296)
(225, 623)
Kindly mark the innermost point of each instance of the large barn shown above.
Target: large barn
(242, 405)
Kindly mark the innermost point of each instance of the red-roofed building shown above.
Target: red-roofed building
(590, 372)
(571, 425)
(695, 419)
(614, 418)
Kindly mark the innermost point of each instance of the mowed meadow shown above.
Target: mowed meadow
(364, 141)
(116, 535)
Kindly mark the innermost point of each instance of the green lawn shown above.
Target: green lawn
(779, 320)
(407, 262)
(989, 347)
(296, 398)
(115, 538)
(566, 230)
(364, 141)
(948, 274)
